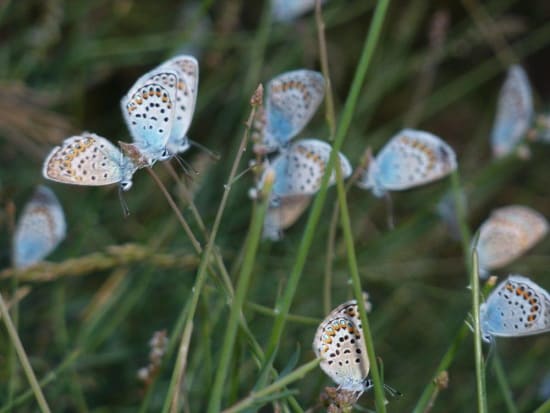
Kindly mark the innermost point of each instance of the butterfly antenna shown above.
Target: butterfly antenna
(214, 155)
(389, 206)
(123, 204)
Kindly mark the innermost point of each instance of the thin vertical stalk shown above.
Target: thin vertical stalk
(243, 283)
(16, 342)
(478, 351)
(358, 292)
(181, 362)
(283, 305)
(503, 384)
(205, 260)
(329, 101)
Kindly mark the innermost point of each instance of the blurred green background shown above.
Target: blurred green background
(64, 65)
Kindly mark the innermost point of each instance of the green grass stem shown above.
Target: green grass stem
(478, 349)
(282, 382)
(243, 283)
(23, 359)
(283, 305)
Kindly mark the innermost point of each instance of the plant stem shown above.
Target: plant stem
(478, 351)
(279, 384)
(245, 276)
(503, 384)
(358, 292)
(205, 260)
(283, 305)
(16, 342)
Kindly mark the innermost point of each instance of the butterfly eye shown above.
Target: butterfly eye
(125, 185)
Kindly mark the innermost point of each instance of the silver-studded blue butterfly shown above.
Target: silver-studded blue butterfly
(514, 112)
(507, 234)
(517, 307)
(411, 158)
(292, 100)
(159, 108)
(40, 228)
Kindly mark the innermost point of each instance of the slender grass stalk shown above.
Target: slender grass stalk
(283, 305)
(16, 343)
(444, 364)
(478, 351)
(255, 397)
(329, 100)
(181, 362)
(11, 357)
(176, 210)
(358, 292)
(494, 37)
(331, 121)
(465, 235)
(544, 408)
(503, 384)
(245, 276)
(293, 318)
(202, 270)
(48, 378)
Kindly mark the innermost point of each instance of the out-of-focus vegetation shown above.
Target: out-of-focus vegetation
(438, 66)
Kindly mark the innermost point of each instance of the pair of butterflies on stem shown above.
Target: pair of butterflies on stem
(517, 307)
(515, 117)
(158, 110)
(411, 158)
(340, 344)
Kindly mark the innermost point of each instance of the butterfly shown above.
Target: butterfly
(159, 107)
(411, 158)
(514, 112)
(287, 10)
(292, 100)
(507, 234)
(89, 159)
(298, 174)
(40, 228)
(339, 343)
(517, 307)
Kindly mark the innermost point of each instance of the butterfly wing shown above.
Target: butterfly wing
(187, 69)
(149, 109)
(340, 344)
(411, 158)
(282, 215)
(288, 10)
(300, 169)
(507, 234)
(514, 112)
(41, 227)
(516, 307)
(292, 100)
(87, 159)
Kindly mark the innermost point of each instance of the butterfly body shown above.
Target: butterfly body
(40, 228)
(411, 158)
(517, 307)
